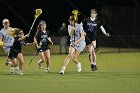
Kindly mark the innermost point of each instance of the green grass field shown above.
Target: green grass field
(117, 73)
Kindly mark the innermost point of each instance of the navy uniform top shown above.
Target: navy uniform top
(17, 45)
(90, 27)
(42, 38)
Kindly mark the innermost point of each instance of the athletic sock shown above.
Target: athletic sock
(63, 67)
(17, 69)
(94, 63)
(12, 70)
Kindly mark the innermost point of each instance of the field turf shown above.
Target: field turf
(117, 73)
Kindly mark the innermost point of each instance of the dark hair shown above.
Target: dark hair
(18, 31)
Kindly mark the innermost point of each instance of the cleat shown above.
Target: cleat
(96, 67)
(12, 73)
(47, 70)
(62, 71)
(12, 70)
(79, 67)
(93, 67)
(20, 73)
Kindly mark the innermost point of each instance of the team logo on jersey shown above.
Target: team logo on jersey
(43, 36)
(91, 24)
(22, 43)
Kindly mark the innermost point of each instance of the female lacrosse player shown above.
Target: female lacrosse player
(77, 43)
(90, 26)
(15, 50)
(41, 40)
(6, 37)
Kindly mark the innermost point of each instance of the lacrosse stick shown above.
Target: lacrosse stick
(36, 52)
(37, 13)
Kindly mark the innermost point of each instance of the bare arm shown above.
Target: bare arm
(71, 31)
(82, 36)
(50, 40)
(23, 37)
(103, 30)
(35, 42)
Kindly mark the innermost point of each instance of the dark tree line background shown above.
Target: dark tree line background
(120, 17)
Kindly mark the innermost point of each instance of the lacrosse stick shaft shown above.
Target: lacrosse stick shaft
(32, 26)
(33, 56)
(38, 12)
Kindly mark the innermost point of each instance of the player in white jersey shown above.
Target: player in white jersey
(77, 43)
(6, 36)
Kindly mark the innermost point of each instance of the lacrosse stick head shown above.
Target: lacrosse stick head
(37, 13)
(75, 13)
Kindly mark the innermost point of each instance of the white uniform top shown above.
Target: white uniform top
(76, 35)
(6, 38)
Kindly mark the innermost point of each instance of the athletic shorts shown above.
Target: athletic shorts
(43, 48)
(7, 48)
(80, 47)
(90, 38)
(13, 54)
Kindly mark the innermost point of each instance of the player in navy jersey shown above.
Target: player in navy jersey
(6, 37)
(42, 39)
(15, 51)
(90, 26)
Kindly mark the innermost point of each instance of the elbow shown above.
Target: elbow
(83, 37)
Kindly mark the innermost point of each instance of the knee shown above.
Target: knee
(43, 60)
(90, 54)
(93, 53)
(21, 63)
(13, 63)
(48, 58)
(74, 59)
(70, 56)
